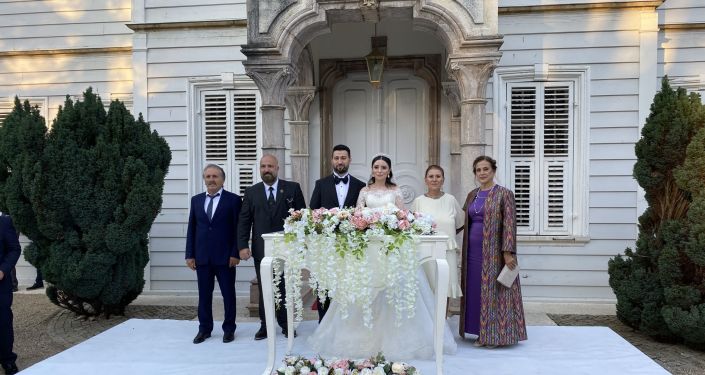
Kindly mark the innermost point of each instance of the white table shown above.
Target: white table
(430, 249)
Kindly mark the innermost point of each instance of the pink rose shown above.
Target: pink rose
(404, 224)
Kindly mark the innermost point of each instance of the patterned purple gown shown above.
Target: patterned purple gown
(476, 212)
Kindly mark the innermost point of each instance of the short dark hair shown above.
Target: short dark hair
(341, 148)
(216, 166)
(434, 166)
(493, 163)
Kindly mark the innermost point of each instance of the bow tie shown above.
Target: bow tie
(338, 180)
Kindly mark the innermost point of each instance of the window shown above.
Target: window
(8, 104)
(228, 133)
(543, 143)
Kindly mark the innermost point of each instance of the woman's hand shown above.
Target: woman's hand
(510, 260)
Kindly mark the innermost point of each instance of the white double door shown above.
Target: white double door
(392, 119)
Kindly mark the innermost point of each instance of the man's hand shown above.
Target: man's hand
(2, 275)
(245, 253)
(234, 262)
(191, 263)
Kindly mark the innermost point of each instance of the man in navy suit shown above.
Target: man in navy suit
(264, 208)
(339, 189)
(9, 254)
(211, 250)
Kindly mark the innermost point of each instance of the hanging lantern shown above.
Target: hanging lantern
(375, 60)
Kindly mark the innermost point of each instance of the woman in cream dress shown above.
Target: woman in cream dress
(410, 338)
(448, 215)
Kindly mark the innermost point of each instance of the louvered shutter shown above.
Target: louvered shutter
(522, 151)
(557, 136)
(230, 135)
(540, 139)
(245, 139)
(7, 105)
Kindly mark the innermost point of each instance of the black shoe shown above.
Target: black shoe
(262, 333)
(10, 369)
(228, 337)
(201, 337)
(14, 289)
(286, 333)
(36, 286)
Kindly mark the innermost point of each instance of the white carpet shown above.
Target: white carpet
(164, 347)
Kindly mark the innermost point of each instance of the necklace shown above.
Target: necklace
(477, 195)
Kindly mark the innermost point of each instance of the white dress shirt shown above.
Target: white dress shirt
(215, 201)
(275, 185)
(342, 189)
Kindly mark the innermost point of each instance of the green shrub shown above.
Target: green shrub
(660, 286)
(96, 188)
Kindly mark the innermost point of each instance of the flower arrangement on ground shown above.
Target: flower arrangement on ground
(377, 365)
(352, 254)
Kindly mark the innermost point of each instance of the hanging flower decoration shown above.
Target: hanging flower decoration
(352, 254)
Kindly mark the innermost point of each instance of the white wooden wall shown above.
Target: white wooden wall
(608, 43)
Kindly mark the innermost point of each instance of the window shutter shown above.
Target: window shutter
(245, 139)
(7, 105)
(522, 187)
(215, 128)
(555, 197)
(556, 123)
(230, 135)
(522, 121)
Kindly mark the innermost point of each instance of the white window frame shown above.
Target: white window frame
(579, 78)
(196, 88)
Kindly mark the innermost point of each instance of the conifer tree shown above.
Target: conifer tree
(660, 286)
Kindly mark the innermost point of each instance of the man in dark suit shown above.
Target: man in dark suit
(339, 189)
(211, 250)
(9, 254)
(265, 206)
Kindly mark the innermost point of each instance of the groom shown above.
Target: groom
(339, 189)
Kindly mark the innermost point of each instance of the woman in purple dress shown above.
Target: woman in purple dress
(489, 310)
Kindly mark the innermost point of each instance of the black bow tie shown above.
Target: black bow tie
(338, 180)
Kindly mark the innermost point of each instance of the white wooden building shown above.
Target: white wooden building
(567, 86)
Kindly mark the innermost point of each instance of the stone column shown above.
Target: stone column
(272, 81)
(450, 90)
(298, 100)
(471, 73)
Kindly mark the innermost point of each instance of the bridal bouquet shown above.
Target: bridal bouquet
(334, 244)
(299, 365)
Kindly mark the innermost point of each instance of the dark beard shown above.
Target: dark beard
(269, 178)
(343, 171)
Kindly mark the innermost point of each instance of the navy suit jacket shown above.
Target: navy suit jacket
(9, 246)
(325, 195)
(213, 241)
(257, 219)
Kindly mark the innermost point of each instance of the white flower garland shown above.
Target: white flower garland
(334, 245)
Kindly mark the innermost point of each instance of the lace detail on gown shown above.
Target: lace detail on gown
(375, 198)
(412, 339)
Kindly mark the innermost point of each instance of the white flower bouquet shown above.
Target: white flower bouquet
(377, 365)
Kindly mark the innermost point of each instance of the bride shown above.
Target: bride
(348, 337)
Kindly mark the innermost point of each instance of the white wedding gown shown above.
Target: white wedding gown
(412, 339)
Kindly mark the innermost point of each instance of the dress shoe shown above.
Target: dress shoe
(14, 289)
(36, 286)
(286, 333)
(10, 369)
(201, 337)
(228, 337)
(262, 333)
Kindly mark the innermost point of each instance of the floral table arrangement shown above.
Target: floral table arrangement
(298, 365)
(352, 254)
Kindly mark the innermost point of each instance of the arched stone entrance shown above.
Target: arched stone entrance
(279, 32)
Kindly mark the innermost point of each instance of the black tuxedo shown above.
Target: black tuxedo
(9, 254)
(325, 195)
(257, 218)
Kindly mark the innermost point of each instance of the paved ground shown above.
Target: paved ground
(42, 329)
